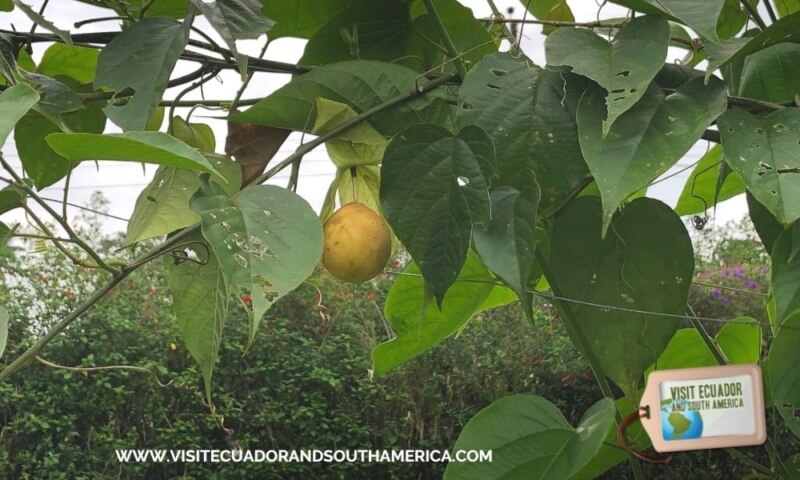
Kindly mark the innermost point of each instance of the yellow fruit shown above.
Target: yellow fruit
(357, 243)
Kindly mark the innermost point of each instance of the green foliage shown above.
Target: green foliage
(436, 229)
(710, 183)
(530, 439)
(16, 101)
(645, 263)
(782, 371)
(785, 277)
(78, 63)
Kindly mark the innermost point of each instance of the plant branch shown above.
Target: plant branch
(87, 370)
(51, 236)
(742, 102)
(753, 11)
(554, 23)
(61, 221)
(770, 11)
(461, 67)
(574, 330)
(42, 237)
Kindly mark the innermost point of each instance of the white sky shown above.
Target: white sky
(121, 182)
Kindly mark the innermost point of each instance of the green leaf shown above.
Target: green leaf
(44, 23)
(781, 366)
(645, 264)
(740, 340)
(268, 240)
(145, 147)
(702, 17)
(529, 113)
(55, 97)
(731, 20)
(10, 198)
(785, 30)
(434, 219)
(767, 226)
(6, 5)
(197, 135)
(508, 243)
(301, 18)
(765, 152)
(624, 67)
(3, 329)
(772, 74)
(361, 85)
(5, 235)
(78, 63)
(142, 58)
(647, 139)
(163, 205)
(235, 20)
(549, 10)
(787, 7)
(685, 349)
(200, 301)
(795, 241)
(530, 439)
(785, 277)
(359, 145)
(702, 190)
(14, 103)
(420, 326)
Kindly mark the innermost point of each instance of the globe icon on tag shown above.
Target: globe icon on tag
(681, 423)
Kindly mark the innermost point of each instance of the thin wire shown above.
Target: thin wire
(81, 207)
(550, 296)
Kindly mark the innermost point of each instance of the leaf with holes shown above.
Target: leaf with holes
(647, 139)
(781, 372)
(624, 67)
(419, 325)
(235, 20)
(163, 205)
(15, 103)
(142, 58)
(765, 151)
(508, 243)
(529, 113)
(360, 84)
(450, 177)
(646, 263)
(200, 301)
(530, 439)
(253, 146)
(785, 277)
(702, 189)
(268, 240)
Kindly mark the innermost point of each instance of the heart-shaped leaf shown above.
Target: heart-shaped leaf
(529, 113)
(163, 205)
(141, 58)
(782, 362)
(530, 439)
(449, 174)
(507, 246)
(646, 140)
(78, 63)
(646, 263)
(268, 240)
(765, 151)
(420, 326)
(624, 67)
(702, 17)
(200, 301)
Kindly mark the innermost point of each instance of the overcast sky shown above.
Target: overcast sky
(121, 182)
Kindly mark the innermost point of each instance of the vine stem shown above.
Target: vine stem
(575, 332)
(753, 11)
(553, 23)
(86, 370)
(29, 356)
(721, 359)
(461, 67)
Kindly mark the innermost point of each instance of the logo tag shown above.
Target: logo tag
(709, 407)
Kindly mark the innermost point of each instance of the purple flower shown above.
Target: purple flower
(739, 272)
(716, 293)
(726, 300)
(751, 284)
(726, 273)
